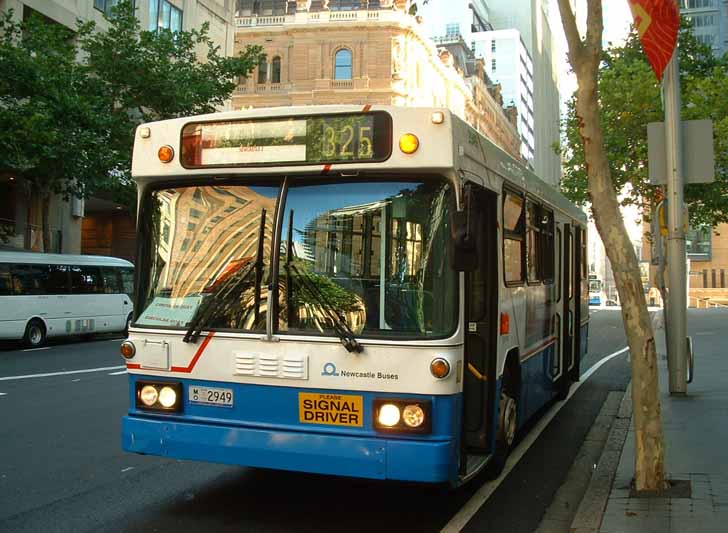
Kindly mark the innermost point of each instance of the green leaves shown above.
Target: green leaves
(70, 101)
(630, 98)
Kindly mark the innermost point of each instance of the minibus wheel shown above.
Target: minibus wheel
(35, 333)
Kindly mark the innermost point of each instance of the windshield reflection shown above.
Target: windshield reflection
(202, 237)
(356, 259)
(376, 252)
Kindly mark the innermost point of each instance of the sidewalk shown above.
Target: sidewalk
(696, 440)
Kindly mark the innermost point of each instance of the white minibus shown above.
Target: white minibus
(49, 295)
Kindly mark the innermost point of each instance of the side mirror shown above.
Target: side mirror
(464, 256)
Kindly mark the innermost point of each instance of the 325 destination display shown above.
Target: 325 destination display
(305, 140)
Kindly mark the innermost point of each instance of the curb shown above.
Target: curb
(588, 518)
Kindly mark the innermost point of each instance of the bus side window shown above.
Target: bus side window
(26, 279)
(57, 281)
(127, 281)
(86, 280)
(5, 280)
(112, 280)
(513, 238)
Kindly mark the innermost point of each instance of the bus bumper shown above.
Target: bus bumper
(380, 458)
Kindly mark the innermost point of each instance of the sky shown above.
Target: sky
(617, 18)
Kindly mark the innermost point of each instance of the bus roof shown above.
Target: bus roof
(62, 259)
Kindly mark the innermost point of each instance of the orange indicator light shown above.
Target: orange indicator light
(409, 143)
(166, 153)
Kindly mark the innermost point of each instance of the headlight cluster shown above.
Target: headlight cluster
(402, 415)
(159, 396)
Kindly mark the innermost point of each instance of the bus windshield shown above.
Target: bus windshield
(372, 256)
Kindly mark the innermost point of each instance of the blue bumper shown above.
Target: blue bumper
(380, 458)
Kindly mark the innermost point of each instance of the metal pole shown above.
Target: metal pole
(676, 327)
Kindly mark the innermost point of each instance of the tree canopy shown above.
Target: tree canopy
(630, 98)
(70, 101)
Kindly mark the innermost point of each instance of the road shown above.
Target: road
(62, 469)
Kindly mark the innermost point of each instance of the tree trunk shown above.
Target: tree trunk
(584, 57)
(46, 208)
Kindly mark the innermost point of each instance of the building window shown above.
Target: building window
(492, 65)
(452, 29)
(275, 76)
(164, 16)
(105, 6)
(262, 71)
(492, 46)
(342, 64)
(698, 244)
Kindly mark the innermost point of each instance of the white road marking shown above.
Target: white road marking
(127, 469)
(118, 373)
(36, 349)
(466, 512)
(67, 373)
(3, 393)
(75, 380)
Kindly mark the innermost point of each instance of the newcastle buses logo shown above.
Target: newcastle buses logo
(329, 369)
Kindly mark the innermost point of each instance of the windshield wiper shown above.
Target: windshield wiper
(216, 302)
(340, 326)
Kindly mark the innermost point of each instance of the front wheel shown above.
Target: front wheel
(128, 323)
(507, 426)
(35, 334)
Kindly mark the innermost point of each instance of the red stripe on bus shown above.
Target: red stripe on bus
(326, 169)
(188, 369)
(366, 108)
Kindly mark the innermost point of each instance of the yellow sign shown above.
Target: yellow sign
(330, 409)
(661, 211)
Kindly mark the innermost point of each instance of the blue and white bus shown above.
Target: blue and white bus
(373, 292)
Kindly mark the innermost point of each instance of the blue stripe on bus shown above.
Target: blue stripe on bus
(263, 430)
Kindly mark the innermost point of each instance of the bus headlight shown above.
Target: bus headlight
(167, 397)
(148, 395)
(413, 416)
(402, 415)
(164, 396)
(388, 415)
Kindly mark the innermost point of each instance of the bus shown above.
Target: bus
(374, 292)
(51, 295)
(595, 290)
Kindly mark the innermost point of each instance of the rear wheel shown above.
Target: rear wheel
(35, 334)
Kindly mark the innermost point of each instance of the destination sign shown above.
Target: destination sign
(362, 137)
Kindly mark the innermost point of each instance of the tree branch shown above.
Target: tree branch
(568, 19)
(594, 29)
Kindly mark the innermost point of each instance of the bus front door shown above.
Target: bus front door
(481, 304)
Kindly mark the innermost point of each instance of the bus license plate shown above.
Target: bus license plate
(211, 396)
(330, 409)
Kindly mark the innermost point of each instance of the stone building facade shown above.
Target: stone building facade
(359, 52)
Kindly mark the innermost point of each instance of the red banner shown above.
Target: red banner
(657, 22)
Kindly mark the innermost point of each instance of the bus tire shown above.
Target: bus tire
(507, 426)
(35, 334)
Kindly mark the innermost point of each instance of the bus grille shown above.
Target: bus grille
(271, 366)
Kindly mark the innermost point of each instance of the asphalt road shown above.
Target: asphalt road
(62, 468)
